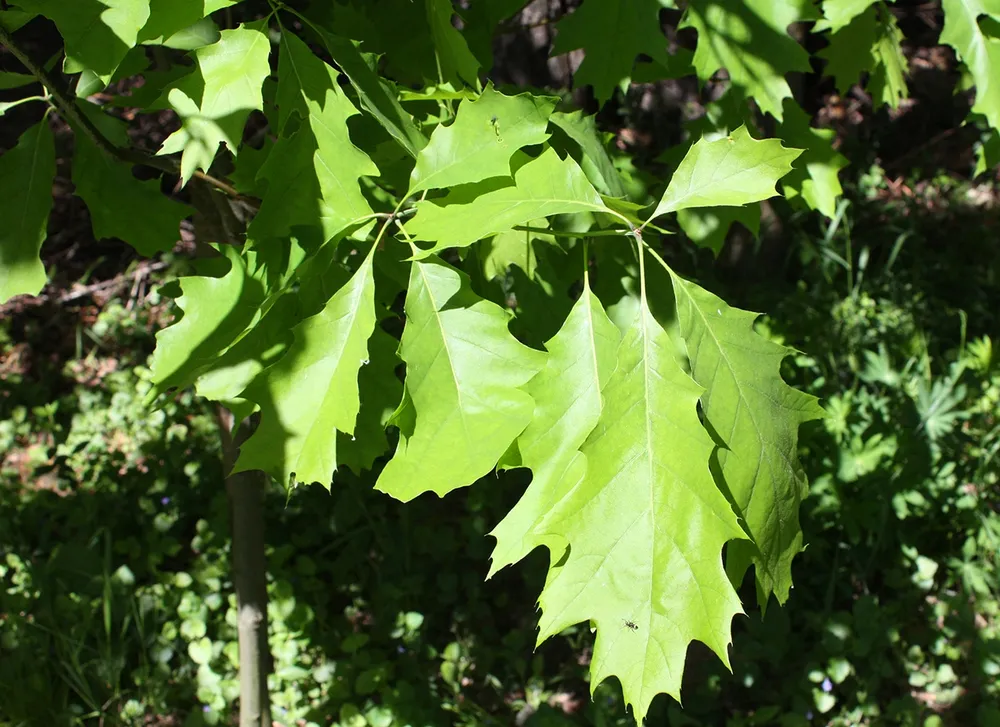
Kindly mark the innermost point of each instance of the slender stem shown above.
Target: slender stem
(559, 233)
(71, 112)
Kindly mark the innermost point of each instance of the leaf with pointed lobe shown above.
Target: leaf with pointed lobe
(887, 82)
(838, 14)
(463, 404)
(979, 51)
(567, 394)
(313, 174)
(215, 100)
(596, 162)
(544, 186)
(377, 95)
(97, 33)
(708, 226)
(480, 142)
(645, 525)
(217, 309)
(455, 61)
(749, 38)
(755, 416)
(612, 33)
(849, 53)
(311, 393)
(167, 18)
(731, 171)
(26, 174)
(120, 205)
(814, 173)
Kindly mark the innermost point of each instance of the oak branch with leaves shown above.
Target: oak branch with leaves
(443, 278)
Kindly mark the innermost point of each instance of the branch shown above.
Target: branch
(71, 112)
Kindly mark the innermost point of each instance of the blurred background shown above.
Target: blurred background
(116, 605)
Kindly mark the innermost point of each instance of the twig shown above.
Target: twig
(67, 106)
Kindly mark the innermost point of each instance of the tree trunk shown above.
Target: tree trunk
(246, 507)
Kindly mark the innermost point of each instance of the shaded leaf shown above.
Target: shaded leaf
(120, 205)
(613, 34)
(583, 130)
(755, 416)
(97, 33)
(749, 38)
(26, 174)
(708, 226)
(455, 61)
(814, 172)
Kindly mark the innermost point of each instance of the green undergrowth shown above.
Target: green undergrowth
(116, 604)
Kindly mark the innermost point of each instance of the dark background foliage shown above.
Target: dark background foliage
(115, 605)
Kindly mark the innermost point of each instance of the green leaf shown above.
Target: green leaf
(734, 170)
(567, 394)
(480, 142)
(311, 393)
(9, 79)
(463, 405)
(977, 50)
(120, 205)
(169, 17)
(646, 526)
(378, 97)
(613, 33)
(596, 162)
(708, 226)
(749, 38)
(455, 61)
(313, 174)
(755, 416)
(849, 53)
(97, 33)
(544, 186)
(217, 309)
(814, 173)
(887, 83)
(481, 21)
(26, 174)
(838, 14)
(215, 100)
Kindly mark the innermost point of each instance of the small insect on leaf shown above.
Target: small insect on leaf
(631, 625)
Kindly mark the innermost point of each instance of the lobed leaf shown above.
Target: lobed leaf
(480, 142)
(120, 205)
(97, 33)
(215, 100)
(455, 61)
(544, 186)
(567, 395)
(312, 173)
(979, 51)
(462, 403)
(749, 38)
(814, 172)
(645, 526)
(731, 171)
(755, 416)
(613, 33)
(311, 393)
